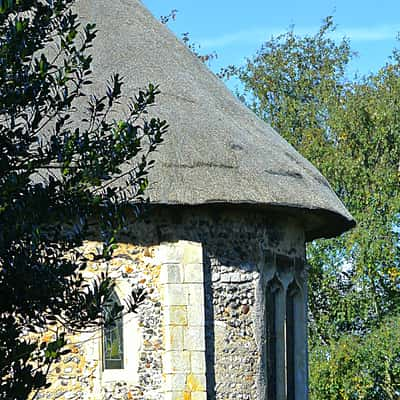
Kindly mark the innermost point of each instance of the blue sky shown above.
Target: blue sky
(235, 29)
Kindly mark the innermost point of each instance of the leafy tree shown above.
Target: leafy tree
(58, 175)
(354, 368)
(349, 128)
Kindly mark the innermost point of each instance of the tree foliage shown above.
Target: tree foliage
(61, 170)
(356, 367)
(349, 129)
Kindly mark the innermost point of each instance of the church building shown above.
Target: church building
(221, 255)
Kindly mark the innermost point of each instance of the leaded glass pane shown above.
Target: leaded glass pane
(113, 346)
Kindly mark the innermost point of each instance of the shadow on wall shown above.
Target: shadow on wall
(209, 328)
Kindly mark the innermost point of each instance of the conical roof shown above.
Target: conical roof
(217, 151)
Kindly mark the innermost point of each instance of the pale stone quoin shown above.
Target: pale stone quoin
(220, 252)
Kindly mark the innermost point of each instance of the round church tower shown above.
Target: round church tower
(222, 252)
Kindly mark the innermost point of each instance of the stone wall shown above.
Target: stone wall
(239, 255)
(212, 340)
(79, 375)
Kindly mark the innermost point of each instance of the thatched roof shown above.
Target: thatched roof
(216, 151)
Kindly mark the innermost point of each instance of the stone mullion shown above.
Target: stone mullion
(291, 327)
(280, 321)
(285, 272)
(301, 355)
(288, 276)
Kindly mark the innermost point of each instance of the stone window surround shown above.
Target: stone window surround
(287, 271)
(131, 343)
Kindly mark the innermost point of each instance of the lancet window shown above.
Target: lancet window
(113, 336)
(285, 324)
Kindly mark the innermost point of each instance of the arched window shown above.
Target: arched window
(286, 336)
(275, 326)
(293, 347)
(113, 337)
(120, 341)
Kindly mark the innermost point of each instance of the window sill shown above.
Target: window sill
(118, 375)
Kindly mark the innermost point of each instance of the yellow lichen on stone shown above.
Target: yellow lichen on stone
(124, 248)
(154, 271)
(177, 316)
(47, 337)
(187, 396)
(193, 384)
(128, 269)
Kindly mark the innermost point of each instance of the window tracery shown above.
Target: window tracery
(285, 325)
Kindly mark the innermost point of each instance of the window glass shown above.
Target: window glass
(113, 353)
